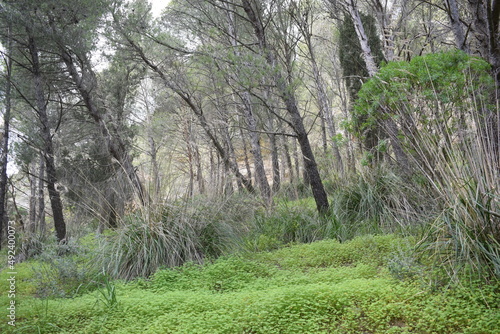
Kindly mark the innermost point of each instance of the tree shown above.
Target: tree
(355, 71)
(175, 79)
(48, 151)
(304, 19)
(4, 146)
(28, 37)
(284, 84)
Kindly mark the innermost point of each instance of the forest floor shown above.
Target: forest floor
(372, 284)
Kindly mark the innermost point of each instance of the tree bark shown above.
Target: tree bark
(274, 157)
(456, 25)
(48, 149)
(31, 228)
(85, 82)
(245, 152)
(371, 66)
(4, 145)
(287, 95)
(324, 104)
(260, 172)
(41, 198)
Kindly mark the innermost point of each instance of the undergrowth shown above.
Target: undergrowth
(322, 287)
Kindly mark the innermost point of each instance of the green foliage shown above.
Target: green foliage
(463, 239)
(329, 253)
(446, 79)
(350, 52)
(108, 293)
(288, 222)
(225, 274)
(441, 106)
(63, 271)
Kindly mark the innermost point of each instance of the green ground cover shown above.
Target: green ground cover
(371, 284)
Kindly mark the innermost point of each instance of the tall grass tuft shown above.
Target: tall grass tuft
(186, 231)
(466, 235)
(378, 201)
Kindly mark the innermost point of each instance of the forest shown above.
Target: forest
(250, 166)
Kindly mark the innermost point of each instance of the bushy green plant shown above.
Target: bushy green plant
(225, 274)
(108, 292)
(63, 270)
(443, 108)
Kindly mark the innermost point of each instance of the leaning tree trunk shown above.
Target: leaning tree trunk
(288, 98)
(371, 66)
(198, 111)
(324, 104)
(48, 148)
(260, 172)
(85, 82)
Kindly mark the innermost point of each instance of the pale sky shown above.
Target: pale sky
(158, 5)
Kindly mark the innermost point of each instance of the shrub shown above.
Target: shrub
(443, 107)
(63, 270)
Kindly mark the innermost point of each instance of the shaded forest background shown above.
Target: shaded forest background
(182, 137)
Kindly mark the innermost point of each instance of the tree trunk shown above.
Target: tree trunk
(153, 151)
(296, 160)
(324, 104)
(199, 170)
(245, 152)
(190, 159)
(371, 66)
(260, 172)
(55, 198)
(274, 157)
(326, 112)
(31, 228)
(456, 25)
(232, 166)
(85, 82)
(287, 95)
(288, 159)
(155, 168)
(41, 198)
(310, 165)
(4, 148)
